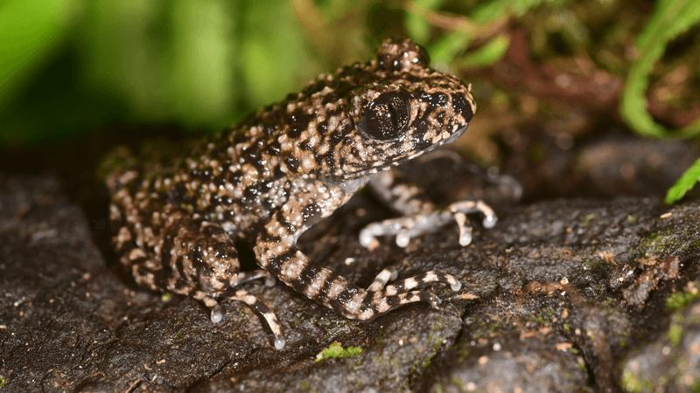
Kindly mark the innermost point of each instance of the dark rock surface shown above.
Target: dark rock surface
(565, 295)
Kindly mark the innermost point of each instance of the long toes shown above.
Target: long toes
(267, 315)
(421, 296)
(422, 279)
(368, 236)
(465, 230)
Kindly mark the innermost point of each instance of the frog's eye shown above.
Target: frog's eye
(386, 116)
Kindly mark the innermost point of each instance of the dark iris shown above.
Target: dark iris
(386, 116)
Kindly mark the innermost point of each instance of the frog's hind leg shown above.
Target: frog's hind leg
(334, 291)
(203, 262)
(389, 274)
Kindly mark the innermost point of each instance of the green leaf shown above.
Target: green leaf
(684, 184)
(30, 31)
(444, 50)
(487, 55)
(416, 25)
(272, 57)
(671, 18)
(496, 9)
(124, 56)
(202, 60)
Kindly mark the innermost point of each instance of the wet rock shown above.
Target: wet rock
(559, 296)
(608, 164)
(671, 362)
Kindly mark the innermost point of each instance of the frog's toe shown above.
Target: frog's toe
(403, 228)
(420, 280)
(267, 315)
(280, 343)
(386, 275)
(217, 314)
(478, 206)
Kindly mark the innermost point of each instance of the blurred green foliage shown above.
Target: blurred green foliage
(73, 65)
(684, 184)
(670, 18)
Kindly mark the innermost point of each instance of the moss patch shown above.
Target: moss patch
(631, 383)
(681, 300)
(675, 332)
(336, 350)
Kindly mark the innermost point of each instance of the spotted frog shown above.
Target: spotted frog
(285, 168)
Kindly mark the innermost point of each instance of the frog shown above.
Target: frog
(283, 169)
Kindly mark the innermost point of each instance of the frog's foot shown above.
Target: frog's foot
(217, 312)
(264, 312)
(389, 274)
(406, 228)
(267, 315)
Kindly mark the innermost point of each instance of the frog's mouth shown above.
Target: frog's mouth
(403, 157)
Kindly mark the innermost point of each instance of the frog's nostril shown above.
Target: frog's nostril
(462, 106)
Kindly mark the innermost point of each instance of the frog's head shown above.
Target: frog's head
(368, 117)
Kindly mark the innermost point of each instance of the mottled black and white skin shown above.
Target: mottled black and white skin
(271, 177)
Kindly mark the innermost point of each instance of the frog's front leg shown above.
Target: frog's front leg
(276, 251)
(419, 214)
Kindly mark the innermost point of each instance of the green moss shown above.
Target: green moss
(462, 353)
(623, 342)
(587, 219)
(336, 350)
(439, 388)
(631, 383)
(166, 297)
(456, 382)
(304, 386)
(658, 242)
(681, 300)
(485, 329)
(675, 330)
(581, 364)
(675, 334)
(3, 381)
(434, 349)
